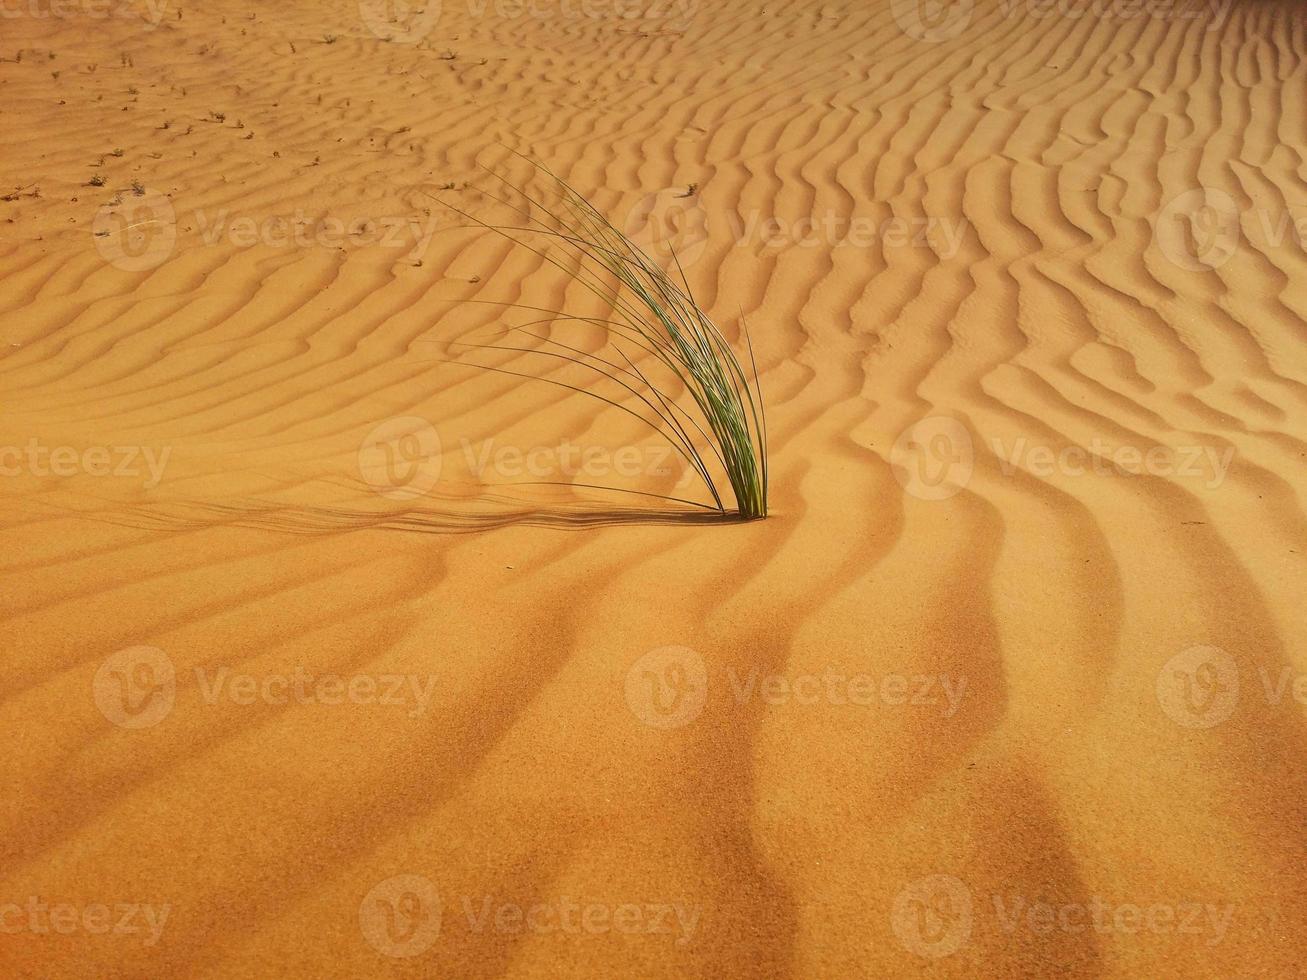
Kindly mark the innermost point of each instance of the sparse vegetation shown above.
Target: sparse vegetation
(653, 329)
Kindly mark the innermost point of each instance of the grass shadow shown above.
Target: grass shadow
(298, 519)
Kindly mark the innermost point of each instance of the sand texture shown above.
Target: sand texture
(311, 668)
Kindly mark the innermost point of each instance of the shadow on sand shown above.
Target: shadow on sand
(187, 516)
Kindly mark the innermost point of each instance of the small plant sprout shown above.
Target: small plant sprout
(138, 188)
(96, 181)
(661, 360)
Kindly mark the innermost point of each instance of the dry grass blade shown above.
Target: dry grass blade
(702, 401)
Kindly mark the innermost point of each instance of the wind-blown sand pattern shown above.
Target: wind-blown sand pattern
(1009, 684)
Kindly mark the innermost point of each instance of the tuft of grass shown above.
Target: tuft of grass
(660, 347)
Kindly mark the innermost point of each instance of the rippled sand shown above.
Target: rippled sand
(1011, 683)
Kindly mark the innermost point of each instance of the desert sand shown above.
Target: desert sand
(302, 677)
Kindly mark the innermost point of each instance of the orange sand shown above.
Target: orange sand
(946, 712)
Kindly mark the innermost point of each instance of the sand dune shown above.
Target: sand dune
(1009, 684)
